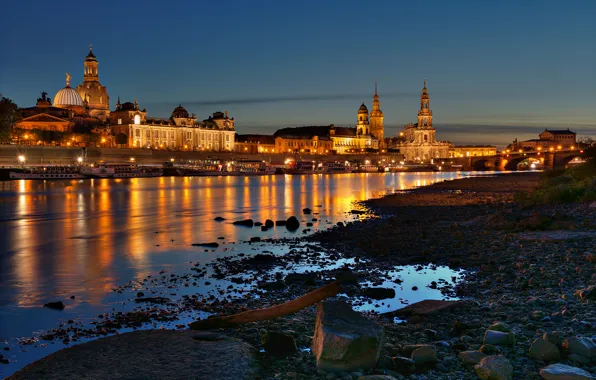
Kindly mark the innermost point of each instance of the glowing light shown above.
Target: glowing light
(80, 159)
(21, 158)
(103, 140)
(171, 159)
(132, 158)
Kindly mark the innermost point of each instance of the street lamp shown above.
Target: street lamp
(21, 159)
(80, 159)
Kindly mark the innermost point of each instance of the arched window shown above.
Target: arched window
(360, 118)
(137, 119)
(424, 123)
(425, 137)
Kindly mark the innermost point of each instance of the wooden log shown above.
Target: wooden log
(289, 307)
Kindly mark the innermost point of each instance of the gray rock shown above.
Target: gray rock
(344, 340)
(588, 293)
(564, 372)
(424, 355)
(471, 357)
(575, 358)
(555, 337)
(580, 345)
(498, 338)
(162, 354)
(542, 349)
(494, 368)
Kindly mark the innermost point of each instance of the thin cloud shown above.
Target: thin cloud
(282, 99)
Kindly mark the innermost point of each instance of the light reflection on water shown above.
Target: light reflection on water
(86, 237)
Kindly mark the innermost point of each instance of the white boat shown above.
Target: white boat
(334, 167)
(252, 167)
(367, 168)
(134, 171)
(99, 171)
(48, 172)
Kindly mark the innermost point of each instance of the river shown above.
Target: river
(84, 238)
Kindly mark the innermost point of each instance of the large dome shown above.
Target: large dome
(68, 96)
(180, 112)
(363, 108)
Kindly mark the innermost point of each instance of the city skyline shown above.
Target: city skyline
(274, 66)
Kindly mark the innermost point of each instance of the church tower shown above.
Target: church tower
(425, 115)
(362, 125)
(376, 120)
(92, 91)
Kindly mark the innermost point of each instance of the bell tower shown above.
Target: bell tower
(362, 125)
(376, 120)
(90, 65)
(425, 115)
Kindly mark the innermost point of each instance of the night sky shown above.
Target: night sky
(495, 70)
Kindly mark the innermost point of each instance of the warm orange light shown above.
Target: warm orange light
(68, 143)
(26, 137)
(185, 146)
(551, 149)
(539, 148)
(559, 147)
(103, 140)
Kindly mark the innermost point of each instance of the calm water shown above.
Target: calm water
(86, 237)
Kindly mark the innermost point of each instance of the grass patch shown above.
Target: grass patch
(576, 184)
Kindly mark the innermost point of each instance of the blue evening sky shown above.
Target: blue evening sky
(496, 70)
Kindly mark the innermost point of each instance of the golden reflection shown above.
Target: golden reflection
(91, 236)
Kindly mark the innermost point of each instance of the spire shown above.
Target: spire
(376, 88)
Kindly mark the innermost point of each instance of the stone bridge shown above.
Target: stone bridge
(508, 161)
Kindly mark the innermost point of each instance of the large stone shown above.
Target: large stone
(580, 345)
(588, 293)
(378, 293)
(542, 349)
(292, 223)
(555, 337)
(278, 344)
(403, 365)
(153, 354)
(564, 372)
(427, 307)
(494, 368)
(471, 357)
(245, 222)
(344, 340)
(424, 355)
(59, 305)
(498, 338)
(499, 326)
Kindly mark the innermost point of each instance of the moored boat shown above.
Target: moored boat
(48, 172)
(300, 167)
(334, 167)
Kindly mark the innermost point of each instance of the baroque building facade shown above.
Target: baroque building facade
(92, 91)
(181, 131)
(418, 141)
(376, 120)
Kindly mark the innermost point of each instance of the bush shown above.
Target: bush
(577, 184)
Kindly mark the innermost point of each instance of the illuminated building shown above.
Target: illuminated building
(181, 131)
(417, 141)
(68, 113)
(91, 91)
(312, 144)
(556, 139)
(252, 144)
(376, 120)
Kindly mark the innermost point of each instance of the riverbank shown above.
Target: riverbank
(523, 266)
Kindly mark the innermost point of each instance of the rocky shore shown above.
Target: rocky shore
(527, 308)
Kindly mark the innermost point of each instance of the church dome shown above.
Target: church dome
(68, 96)
(363, 109)
(180, 112)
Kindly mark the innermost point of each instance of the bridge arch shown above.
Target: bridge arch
(512, 163)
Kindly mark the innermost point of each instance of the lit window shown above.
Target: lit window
(137, 119)
(119, 121)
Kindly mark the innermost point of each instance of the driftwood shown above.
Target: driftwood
(289, 307)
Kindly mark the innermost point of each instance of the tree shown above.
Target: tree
(8, 117)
